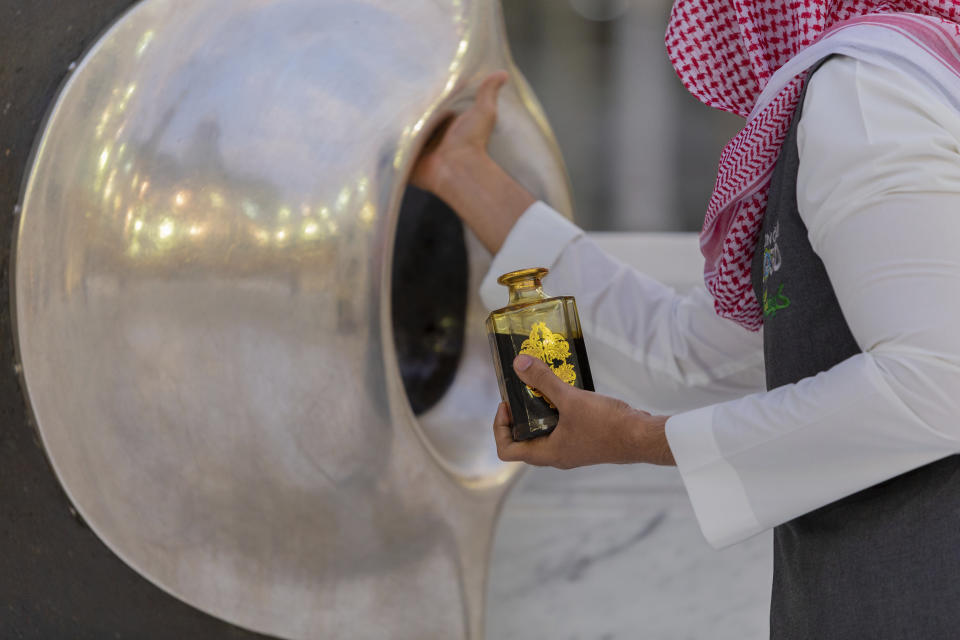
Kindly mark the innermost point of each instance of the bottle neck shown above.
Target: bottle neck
(526, 291)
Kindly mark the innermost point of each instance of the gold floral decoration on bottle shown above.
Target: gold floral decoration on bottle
(552, 348)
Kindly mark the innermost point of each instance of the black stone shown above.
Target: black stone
(429, 297)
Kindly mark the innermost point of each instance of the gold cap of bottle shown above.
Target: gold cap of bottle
(517, 277)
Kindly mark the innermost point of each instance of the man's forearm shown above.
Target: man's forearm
(487, 199)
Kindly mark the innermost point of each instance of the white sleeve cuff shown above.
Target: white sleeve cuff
(713, 485)
(536, 240)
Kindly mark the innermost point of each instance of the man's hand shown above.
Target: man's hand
(455, 166)
(461, 140)
(593, 429)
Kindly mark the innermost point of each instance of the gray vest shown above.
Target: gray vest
(884, 562)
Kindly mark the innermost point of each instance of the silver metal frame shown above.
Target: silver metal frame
(202, 308)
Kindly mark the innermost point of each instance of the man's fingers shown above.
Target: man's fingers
(537, 375)
(529, 451)
(503, 434)
(437, 135)
(488, 91)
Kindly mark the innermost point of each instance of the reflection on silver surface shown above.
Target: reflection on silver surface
(202, 285)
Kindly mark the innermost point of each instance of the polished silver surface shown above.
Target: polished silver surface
(202, 290)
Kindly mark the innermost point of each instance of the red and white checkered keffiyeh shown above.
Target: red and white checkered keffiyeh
(750, 57)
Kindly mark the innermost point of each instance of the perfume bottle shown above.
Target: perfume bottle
(542, 327)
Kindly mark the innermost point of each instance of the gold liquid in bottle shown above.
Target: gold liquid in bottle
(542, 327)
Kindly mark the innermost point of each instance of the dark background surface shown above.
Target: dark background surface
(57, 580)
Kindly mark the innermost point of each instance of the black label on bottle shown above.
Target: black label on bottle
(533, 414)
